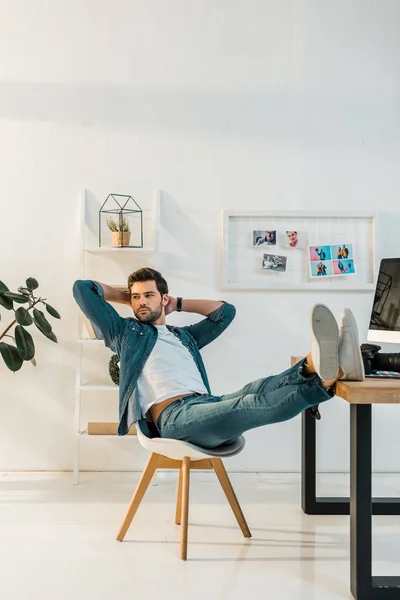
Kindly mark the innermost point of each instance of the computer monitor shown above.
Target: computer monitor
(384, 324)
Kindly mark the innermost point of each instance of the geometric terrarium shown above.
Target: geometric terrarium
(120, 222)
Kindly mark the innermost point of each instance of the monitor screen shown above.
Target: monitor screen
(384, 324)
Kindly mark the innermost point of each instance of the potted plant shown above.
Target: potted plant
(24, 348)
(120, 230)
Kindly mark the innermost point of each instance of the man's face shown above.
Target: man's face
(147, 302)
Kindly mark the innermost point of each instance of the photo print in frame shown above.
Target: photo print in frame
(331, 261)
(274, 262)
(295, 239)
(264, 237)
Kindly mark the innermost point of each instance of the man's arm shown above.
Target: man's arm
(117, 294)
(201, 307)
(93, 299)
(206, 330)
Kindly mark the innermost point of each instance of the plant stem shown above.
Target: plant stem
(15, 320)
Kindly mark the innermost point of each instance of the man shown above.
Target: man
(293, 238)
(163, 379)
(321, 253)
(269, 239)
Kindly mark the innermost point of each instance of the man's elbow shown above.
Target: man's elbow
(78, 288)
(82, 288)
(229, 311)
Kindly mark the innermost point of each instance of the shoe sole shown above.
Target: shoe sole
(326, 334)
(358, 373)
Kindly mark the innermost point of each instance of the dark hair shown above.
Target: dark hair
(148, 274)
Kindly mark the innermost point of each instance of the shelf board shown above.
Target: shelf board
(98, 388)
(85, 434)
(106, 249)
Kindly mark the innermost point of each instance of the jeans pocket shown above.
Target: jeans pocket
(167, 413)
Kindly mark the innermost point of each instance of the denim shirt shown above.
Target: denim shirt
(133, 342)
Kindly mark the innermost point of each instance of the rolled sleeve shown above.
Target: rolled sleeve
(208, 329)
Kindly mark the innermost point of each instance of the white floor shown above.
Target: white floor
(57, 540)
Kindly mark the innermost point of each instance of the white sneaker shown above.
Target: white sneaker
(324, 342)
(350, 358)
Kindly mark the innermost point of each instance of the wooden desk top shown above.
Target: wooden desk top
(369, 391)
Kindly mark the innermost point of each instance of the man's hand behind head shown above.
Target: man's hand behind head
(171, 305)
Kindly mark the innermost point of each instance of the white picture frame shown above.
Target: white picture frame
(241, 264)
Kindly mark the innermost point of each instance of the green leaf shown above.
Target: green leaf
(32, 284)
(24, 342)
(41, 321)
(5, 302)
(52, 311)
(19, 298)
(25, 291)
(23, 316)
(11, 357)
(49, 334)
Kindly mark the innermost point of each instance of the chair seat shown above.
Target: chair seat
(177, 449)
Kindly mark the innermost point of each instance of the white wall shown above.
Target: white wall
(222, 104)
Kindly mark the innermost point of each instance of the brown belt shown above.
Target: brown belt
(156, 409)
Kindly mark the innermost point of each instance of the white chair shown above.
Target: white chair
(173, 454)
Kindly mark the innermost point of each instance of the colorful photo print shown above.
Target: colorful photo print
(320, 253)
(342, 251)
(264, 237)
(295, 239)
(274, 262)
(343, 267)
(321, 268)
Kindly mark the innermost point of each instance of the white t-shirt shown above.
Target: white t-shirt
(169, 371)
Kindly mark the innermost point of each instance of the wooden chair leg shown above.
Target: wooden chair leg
(139, 493)
(178, 512)
(185, 506)
(224, 480)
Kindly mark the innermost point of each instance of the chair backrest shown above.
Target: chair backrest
(177, 449)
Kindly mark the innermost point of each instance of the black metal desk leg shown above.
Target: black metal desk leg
(363, 585)
(360, 500)
(308, 463)
(310, 503)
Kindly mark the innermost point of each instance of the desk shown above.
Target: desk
(360, 395)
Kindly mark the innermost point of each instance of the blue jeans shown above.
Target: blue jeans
(210, 421)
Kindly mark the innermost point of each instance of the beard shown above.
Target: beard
(148, 316)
